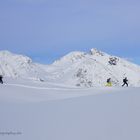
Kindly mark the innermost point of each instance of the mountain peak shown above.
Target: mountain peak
(71, 57)
(96, 52)
(75, 54)
(7, 55)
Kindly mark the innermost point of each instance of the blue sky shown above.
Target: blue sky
(48, 29)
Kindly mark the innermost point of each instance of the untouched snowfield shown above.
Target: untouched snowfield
(45, 111)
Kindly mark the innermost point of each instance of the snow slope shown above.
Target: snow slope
(77, 69)
(47, 113)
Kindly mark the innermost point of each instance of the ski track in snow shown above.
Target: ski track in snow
(33, 87)
(47, 88)
(64, 89)
(32, 93)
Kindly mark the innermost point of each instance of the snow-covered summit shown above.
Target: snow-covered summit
(13, 65)
(70, 58)
(8, 55)
(96, 52)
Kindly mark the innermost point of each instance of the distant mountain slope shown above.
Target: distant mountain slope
(75, 69)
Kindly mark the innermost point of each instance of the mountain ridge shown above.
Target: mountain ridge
(76, 69)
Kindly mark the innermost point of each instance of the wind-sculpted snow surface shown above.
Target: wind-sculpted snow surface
(77, 69)
(32, 111)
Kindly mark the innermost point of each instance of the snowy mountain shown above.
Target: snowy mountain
(93, 69)
(12, 65)
(78, 69)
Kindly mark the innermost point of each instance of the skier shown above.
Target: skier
(109, 84)
(1, 81)
(125, 82)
